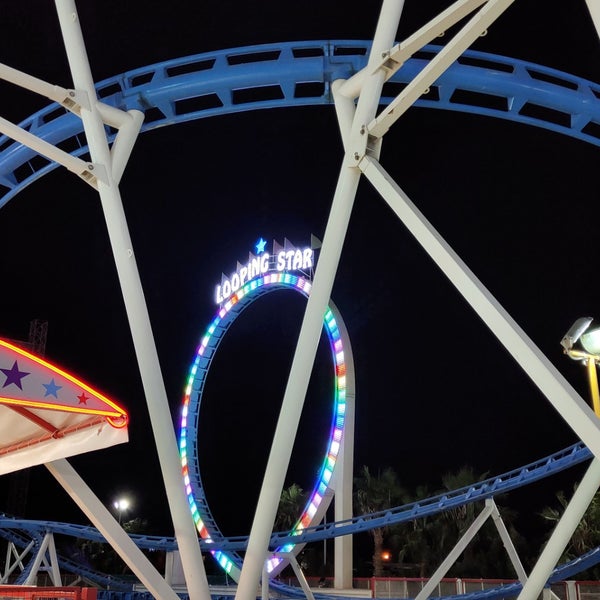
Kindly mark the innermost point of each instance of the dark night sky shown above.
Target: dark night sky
(434, 388)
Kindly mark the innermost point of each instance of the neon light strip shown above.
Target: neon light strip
(277, 280)
(58, 407)
(117, 412)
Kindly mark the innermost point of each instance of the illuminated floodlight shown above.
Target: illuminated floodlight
(574, 334)
(581, 334)
(121, 504)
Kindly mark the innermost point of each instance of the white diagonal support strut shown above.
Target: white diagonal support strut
(594, 8)
(393, 60)
(475, 27)
(455, 553)
(511, 551)
(107, 525)
(89, 172)
(304, 357)
(548, 559)
(69, 99)
(137, 311)
(571, 406)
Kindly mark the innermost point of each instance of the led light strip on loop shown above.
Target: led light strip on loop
(322, 493)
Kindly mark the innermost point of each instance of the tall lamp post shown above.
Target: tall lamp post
(121, 505)
(589, 339)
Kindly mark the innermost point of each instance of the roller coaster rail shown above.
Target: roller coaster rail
(300, 74)
(21, 532)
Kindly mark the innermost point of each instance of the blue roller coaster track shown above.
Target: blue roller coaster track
(300, 74)
(21, 532)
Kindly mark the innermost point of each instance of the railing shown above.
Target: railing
(409, 587)
(10, 592)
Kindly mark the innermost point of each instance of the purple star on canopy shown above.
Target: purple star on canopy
(13, 375)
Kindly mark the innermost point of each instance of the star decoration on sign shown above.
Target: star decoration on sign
(52, 388)
(83, 398)
(13, 375)
(260, 246)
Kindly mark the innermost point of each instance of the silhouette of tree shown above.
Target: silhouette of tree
(374, 493)
(587, 535)
(291, 503)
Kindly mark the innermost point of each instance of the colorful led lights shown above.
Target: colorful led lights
(241, 299)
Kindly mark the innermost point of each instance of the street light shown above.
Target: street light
(121, 504)
(589, 340)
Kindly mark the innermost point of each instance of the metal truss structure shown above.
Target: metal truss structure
(357, 97)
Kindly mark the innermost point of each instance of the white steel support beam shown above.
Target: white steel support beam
(18, 562)
(299, 575)
(594, 8)
(455, 553)
(89, 172)
(70, 99)
(475, 27)
(344, 475)
(137, 312)
(39, 558)
(570, 405)
(304, 357)
(108, 526)
(54, 566)
(401, 52)
(582, 497)
(508, 543)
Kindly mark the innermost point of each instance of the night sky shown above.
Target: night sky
(435, 390)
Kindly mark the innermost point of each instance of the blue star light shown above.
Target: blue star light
(260, 246)
(51, 388)
(13, 375)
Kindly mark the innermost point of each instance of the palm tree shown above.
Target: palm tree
(291, 503)
(373, 494)
(424, 543)
(587, 535)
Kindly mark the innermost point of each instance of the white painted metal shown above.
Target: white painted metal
(104, 521)
(124, 142)
(141, 331)
(344, 471)
(570, 405)
(404, 50)
(476, 26)
(562, 533)
(344, 110)
(594, 8)
(87, 171)
(508, 543)
(304, 356)
(54, 567)
(454, 554)
(299, 575)
(264, 583)
(41, 558)
(56, 93)
(18, 562)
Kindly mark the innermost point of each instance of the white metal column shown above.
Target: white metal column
(571, 406)
(304, 356)
(143, 339)
(344, 475)
(114, 534)
(548, 559)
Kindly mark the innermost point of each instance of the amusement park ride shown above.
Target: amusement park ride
(105, 119)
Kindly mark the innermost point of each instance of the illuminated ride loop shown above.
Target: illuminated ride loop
(343, 392)
(299, 74)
